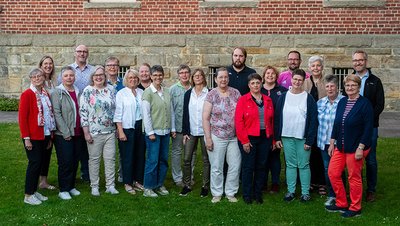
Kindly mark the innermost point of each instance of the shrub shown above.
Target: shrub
(8, 104)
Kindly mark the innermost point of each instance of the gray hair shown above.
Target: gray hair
(362, 52)
(96, 68)
(314, 59)
(36, 71)
(331, 79)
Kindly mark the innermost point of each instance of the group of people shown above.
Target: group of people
(242, 125)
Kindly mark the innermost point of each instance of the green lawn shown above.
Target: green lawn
(124, 209)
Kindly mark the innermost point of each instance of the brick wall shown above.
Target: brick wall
(188, 17)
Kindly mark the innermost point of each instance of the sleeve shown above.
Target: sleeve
(23, 114)
(312, 120)
(84, 108)
(380, 99)
(241, 131)
(368, 124)
(146, 114)
(119, 107)
(278, 118)
(185, 120)
(57, 108)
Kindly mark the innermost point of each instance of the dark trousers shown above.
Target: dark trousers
(139, 154)
(253, 165)
(274, 166)
(46, 157)
(68, 159)
(34, 164)
(84, 160)
(317, 166)
(126, 150)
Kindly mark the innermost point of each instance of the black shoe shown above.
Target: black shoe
(351, 213)
(289, 197)
(334, 209)
(185, 191)
(259, 200)
(305, 198)
(248, 201)
(204, 192)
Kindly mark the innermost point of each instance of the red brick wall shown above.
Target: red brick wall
(186, 17)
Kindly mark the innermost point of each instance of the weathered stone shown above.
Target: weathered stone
(31, 58)
(216, 60)
(4, 40)
(321, 52)
(53, 40)
(152, 59)
(256, 50)
(3, 60)
(239, 40)
(391, 62)
(277, 41)
(20, 40)
(3, 72)
(354, 41)
(338, 61)
(163, 40)
(14, 59)
(310, 41)
(387, 41)
(11, 85)
(108, 40)
(396, 51)
(161, 50)
(392, 90)
(190, 60)
(206, 40)
(273, 60)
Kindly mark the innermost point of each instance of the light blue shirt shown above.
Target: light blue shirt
(363, 79)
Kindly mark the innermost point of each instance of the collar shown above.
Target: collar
(154, 90)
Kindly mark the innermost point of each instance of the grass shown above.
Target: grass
(124, 209)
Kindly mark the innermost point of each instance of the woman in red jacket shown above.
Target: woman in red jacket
(254, 118)
(36, 122)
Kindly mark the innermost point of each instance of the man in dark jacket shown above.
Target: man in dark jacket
(372, 89)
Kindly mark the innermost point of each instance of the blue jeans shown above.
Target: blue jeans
(156, 165)
(372, 164)
(68, 160)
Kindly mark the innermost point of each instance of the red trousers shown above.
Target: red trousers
(338, 161)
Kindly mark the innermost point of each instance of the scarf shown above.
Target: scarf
(41, 120)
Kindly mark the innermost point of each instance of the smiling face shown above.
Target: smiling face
(352, 89)
(112, 68)
(255, 86)
(297, 82)
(331, 90)
(270, 76)
(99, 78)
(360, 63)
(184, 76)
(37, 79)
(222, 79)
(198, 79)
(293, 61)
(68, 78)
(316, 69)
(48, 67)
(132, 81)
(157, 77)
(144, 73)
(81, 54)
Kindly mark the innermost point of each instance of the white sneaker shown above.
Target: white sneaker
(112, 190)
(149, 193)
(40, 197)
(330, 201)
(216, 199)
(32, 200)
(74, 192)
(232, 198)
(162, 191)
(64, 195)
(95, 192)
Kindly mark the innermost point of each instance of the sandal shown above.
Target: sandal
(322, 190)
(138, 186)
(130, 189)
(48, 187)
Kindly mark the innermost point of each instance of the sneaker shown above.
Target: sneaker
(351, 213)
(305, 198)
(64, 195)
(204, 192)
(149, 193)
(32, 200)
(216, 199)
(130, 189)
(179, 184)
(185, 191)
(112, 190)
(248, 201)
(330, 201)
(40, 197)
(259, 200)
(232, 198)
(162, 191)
(370, 196)
(288, 197)
(274, 189)
(74, 192)
(120, 179)
(334, 209)
(138, 186)
(95, 192)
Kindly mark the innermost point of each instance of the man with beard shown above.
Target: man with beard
(293, 62)
(238, 71)
(372, 89)
(144, 73)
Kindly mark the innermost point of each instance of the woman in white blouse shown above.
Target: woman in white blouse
(128, 118)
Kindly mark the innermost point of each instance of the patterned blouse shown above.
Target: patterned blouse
(97, 109)
(223, 113)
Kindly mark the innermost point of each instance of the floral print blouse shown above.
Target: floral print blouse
(97, 107)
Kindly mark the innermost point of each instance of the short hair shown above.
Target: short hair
(157, 68)
(67, 68)
(241, 49)
(295, 51)
(96, 68)
(127, 73)
(314, 59)
(111, 58)
(36, 71)
(202, 75)
(254, 76)
(146, 65)
(362, 52)
(300, 72)
(182, 67)
(41, 63)
(331, 79)
(268, 67)
(220, 70)
(353, 78)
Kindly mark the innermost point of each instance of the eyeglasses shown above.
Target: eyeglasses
(183, 72)
(350, 85)
(297, 80)
(292, 59)
(95, 75)
(112, 65)
(36, 76)
(81, 51)
(358, 60)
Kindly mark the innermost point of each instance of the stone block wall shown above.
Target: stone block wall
(19, 53)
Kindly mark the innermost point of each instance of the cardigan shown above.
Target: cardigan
(247, 120)
(310, 132)
(28, 116)
(358, 125)
(186, 117)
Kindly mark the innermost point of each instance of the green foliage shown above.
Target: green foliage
(8, 104)
(125, 209)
